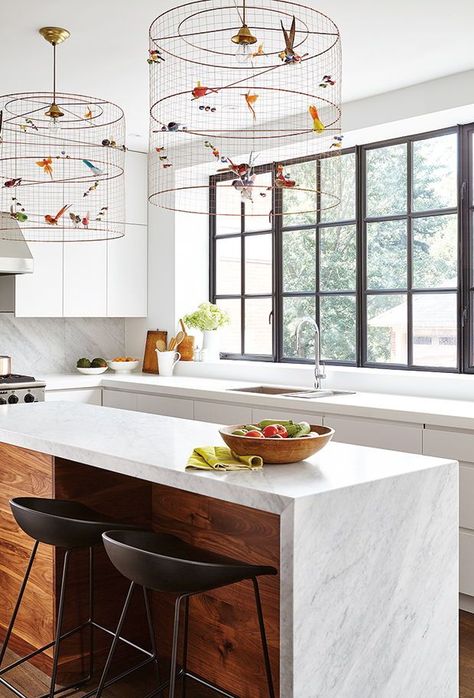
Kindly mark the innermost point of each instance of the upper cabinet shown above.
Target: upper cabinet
(93, 279)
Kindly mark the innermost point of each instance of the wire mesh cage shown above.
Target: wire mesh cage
(235, 85)
(62, 180)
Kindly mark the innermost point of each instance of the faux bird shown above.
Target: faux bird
(88, 114)
(213, 148)
(154, 56)
(11, 183)
(201, 91)
(31, 124)
(327, 80)
(337, 143)
(318, 125)
(173, 126)
(258, 53)
(240, 170)
(86, 219)
(53, 220)
(288, 55)
(244, 186)
(95, 170)
(47, 165)
(92, 187)
(283, 181)
(102, 213)
(20, 215)
(250, 100)
(75, 219)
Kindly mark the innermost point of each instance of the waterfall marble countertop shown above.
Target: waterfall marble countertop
(401, 408)
(156, 448)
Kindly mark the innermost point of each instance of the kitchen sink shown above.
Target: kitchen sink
(292, 392)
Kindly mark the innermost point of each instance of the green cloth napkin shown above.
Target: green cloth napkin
(222, 458)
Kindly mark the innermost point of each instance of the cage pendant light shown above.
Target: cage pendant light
(61, 164)
(237, 85)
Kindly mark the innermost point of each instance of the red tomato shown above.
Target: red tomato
(281, 430)
(270, 430)
(255, 434)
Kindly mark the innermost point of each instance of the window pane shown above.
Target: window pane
(435, 173)
(228, 257)
(299, 260)
(387, 254)
(258, 264)
(387, 180)
(259, 206)
(230, 334)
(258, 327)
(228, 208)
(299, 204)
(337, 248)
(338, 328)
(345, 211)
(435, 256)
(434, 329)
(294, 310)
(387, 329)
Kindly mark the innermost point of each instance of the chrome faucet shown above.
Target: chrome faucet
(319, 373)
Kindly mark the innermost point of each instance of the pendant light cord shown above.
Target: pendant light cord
(54, 72)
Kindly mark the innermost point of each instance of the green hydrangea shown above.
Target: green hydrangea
(207, 317)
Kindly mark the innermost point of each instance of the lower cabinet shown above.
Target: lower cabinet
(258, 414)
(222, 413)
(167, 406)
(120, 399)
(395, 436)
(91, 396)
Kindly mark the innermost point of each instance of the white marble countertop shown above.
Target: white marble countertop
(156, 449)
(415, 410)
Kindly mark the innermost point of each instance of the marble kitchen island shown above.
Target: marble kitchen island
(365, 540)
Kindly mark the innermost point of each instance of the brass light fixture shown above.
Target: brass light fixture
(55, 36)
(244, 37)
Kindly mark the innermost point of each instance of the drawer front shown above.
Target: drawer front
(466, 563)
(376, 433)
(167, 406)
(466, 495)
(91, 396)
(447, 443)
(120, 400)
(259, 413)
(222, 413)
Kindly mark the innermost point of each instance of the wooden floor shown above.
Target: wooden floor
(32, 682)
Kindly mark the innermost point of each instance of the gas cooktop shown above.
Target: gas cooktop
(15, 378)
(15, 388)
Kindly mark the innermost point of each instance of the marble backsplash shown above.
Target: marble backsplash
(53, 345)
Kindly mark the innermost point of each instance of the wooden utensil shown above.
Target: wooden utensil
(161, 345)
(175, 341)
(183, 326)
(186, 348)
(150, 364)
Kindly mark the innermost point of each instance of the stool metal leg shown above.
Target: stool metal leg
(263, 635)
(91, 612)
(18, 602)
(151, 630)
(185, 647)
(174, 649)
(113, 647)
(59, 624)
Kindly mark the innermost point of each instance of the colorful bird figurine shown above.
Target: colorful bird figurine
(53, 220)
(337, 143)
(244, 186)
(91, 166)
(75, 219)
(47, 165)
(31, 124)
(240, 170)
(10, 183)
(20, 215)
(173, 126)
(154, 56)
(318, 125)
(102, 213)
(250, 100)
(258, 53)
(213, 148)
(92, 187)
(201, 91)
(288, 55)
(327, 80)
(88, 114)
(283, 181)
(86, 219)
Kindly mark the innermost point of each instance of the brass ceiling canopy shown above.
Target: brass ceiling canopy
(54, 35)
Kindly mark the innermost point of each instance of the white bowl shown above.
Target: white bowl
(92, 371)
(123, 366)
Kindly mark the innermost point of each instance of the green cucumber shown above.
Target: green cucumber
(268, 422)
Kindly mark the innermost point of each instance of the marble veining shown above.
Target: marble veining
(48, 345)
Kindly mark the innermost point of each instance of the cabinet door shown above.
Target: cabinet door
(259, 413)
(40, 294)
(119, 399)
(168, 406)
(91, 396)
(395, 436)
(466, 563)
(222, 413)
(85, 279)
(127, 273)
(466, 495)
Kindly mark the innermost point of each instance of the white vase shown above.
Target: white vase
(210, 346)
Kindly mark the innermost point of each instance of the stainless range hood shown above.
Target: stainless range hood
(15, 258)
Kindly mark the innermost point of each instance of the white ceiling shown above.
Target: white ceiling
(386, 45)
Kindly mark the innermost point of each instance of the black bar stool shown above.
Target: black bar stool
(164, 563)
(72, 526)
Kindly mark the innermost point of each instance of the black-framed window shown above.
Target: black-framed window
(380, 272)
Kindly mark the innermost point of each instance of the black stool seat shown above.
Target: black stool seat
(162, 562)
(62, 523)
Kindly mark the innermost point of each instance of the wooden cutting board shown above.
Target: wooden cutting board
(150, 361)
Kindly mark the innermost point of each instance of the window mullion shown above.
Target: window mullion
(409, 254)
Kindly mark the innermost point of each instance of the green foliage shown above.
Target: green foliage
(208, 316)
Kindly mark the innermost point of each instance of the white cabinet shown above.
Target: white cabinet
(91, 396)
(222, 413)
(396, 436)
(258, 414)
(119, 399)
(136, 187)
(126, 274)
(466, 566)
(40, 294)
(167, 406)
(85, 279)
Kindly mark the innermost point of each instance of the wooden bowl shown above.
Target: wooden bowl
(278, 450)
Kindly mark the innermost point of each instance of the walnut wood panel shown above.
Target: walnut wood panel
(22, 473)
(224, 642)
